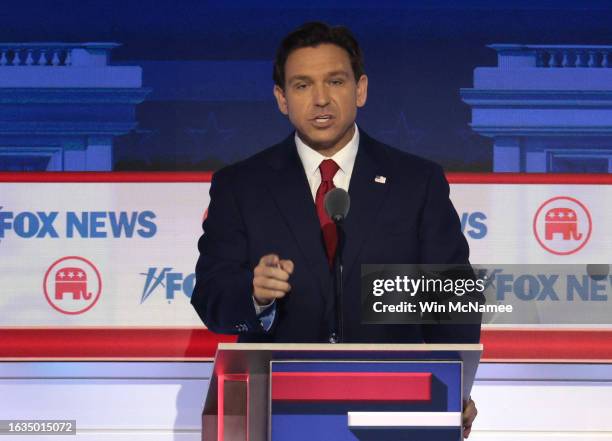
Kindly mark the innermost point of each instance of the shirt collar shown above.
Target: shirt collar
(311, 159)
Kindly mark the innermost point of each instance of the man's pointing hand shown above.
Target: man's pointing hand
(270, 280)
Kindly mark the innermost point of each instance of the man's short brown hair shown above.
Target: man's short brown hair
(311, 35)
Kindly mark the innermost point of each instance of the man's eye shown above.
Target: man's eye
(337, 82)
(300, 86)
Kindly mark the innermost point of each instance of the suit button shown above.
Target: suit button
(241, 327)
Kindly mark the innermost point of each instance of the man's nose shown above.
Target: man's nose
(321, 95)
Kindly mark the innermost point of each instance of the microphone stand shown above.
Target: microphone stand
(338, 335)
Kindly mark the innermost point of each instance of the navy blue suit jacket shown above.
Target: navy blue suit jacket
(264, 205)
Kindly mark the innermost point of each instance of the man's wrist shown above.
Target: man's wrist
(260, 303)
(259, 308)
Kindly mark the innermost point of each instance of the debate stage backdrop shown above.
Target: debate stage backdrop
(185, 87)
(521, 86)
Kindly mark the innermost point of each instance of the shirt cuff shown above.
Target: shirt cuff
(261, 308)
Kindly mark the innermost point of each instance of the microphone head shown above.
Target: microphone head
(598, 271)
(337, 203)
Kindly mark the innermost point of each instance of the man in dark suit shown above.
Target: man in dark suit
(264, 270)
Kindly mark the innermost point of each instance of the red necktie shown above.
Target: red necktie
(328, 169)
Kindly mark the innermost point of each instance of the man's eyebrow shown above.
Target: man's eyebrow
(299, 78)
(337, 73)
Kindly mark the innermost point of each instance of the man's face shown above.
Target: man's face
(321, 96)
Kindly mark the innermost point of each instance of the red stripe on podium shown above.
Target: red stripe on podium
(351, 386)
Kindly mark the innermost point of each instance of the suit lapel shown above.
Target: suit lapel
(289, 188)
(367, 197)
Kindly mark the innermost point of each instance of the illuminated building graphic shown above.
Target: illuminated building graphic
(548, 108)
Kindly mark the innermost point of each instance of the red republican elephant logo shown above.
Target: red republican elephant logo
(71, 280)
(72, 285)
(562, 225)
(564, 221)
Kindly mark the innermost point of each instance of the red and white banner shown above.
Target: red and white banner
(99, 253)
(118, 250)
(536, 223)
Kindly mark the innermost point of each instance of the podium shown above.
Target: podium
(295, 392)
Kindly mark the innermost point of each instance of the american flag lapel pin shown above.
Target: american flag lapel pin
(380, 179)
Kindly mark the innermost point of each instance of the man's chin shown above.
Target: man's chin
(321, 141)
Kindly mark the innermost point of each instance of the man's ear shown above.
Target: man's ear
(281, 100)
(362, 91)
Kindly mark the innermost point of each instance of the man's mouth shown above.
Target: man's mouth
(322, 119)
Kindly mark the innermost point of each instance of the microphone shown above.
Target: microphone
(337, 203)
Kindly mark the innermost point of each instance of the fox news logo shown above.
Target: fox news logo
(473, 224)
(85, 224)
(168, 281)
